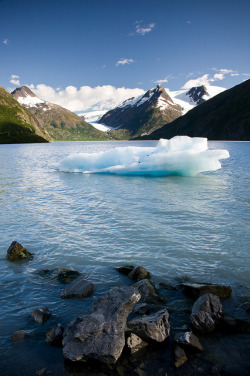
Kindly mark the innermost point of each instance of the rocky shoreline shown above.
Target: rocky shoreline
(133, 330)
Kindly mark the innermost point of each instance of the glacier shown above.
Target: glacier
(181, 155)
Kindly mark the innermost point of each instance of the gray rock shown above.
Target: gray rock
(99, 334)
(145, 288)
(41, 315)
(135, 343)
(79, 288)
(188, 341)
(139, 273)
(206, 313)
(154, 327)
(179, 356)
(17, 252)
(195, 290)
(55, 336)
(66, 275)
(20, 335)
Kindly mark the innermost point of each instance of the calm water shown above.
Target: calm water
(177, 227)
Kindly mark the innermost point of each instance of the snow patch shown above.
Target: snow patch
(30, 101)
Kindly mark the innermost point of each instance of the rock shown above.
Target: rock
(179, 356)
(17, 252)
(139, 273)
(167, 286)
(206, 312)
(145, 288)
(125, 269)
(195, 290)
(20, 335)
(99, 334)
(135, 343)
(41, 315)
(66, 275)
(79, 288)
(55, 336)
(154, 327)
(188, 341)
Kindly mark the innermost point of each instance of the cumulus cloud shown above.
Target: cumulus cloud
(86, 98)
(14, 79)
(5, 41)
(206, 79)
(142, 30)
(124, 61)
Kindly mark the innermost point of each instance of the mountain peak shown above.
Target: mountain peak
(197, 94)
(22, 92)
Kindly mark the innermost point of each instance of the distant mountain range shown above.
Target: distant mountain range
(226, 116)
(142, 115)
(17, 124)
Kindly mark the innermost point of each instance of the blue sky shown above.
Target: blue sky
(132, 44)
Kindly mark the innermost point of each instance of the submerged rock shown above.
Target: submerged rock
(154, 327)
(206, 313)
(79, 288)
(20, 335)
(41, 315)
(195, 290)
(17, 252)
(66, 275)
(139, 273)
(99, 334)
(55, 336)
(180, 356)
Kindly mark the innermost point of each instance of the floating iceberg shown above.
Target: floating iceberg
(181, 155)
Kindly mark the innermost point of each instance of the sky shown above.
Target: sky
(93, 54)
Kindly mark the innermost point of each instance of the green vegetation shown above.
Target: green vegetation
(17, 125)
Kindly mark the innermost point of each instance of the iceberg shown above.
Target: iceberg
(181, 155)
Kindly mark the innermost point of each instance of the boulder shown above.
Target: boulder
(206, 313)
(79, 288)
(154, 327)
(125, 269)
(135, 343)
(100, 333)
(20, 335)
(17, 252)
(195, 290)
(139, 273)
(55, 336)
(179, 356)
(41, 315)
(188, 341)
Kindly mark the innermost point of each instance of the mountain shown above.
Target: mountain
(61, 124)
(226, 116)
(18, 125)
(191, 98)
(142, 115)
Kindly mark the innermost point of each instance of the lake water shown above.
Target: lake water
(177, 227)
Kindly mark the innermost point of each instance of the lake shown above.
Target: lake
(179, 228)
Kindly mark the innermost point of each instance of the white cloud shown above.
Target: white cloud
(165, 80)
(14, 79)
(124, 61)
(206, 79)
(5, 41)
(86, 98)
(189, 22)
(142, 30)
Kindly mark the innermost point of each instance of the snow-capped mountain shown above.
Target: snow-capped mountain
(60, 123)
(190, 98)
(143, 114)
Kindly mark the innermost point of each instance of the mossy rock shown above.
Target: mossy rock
(17, 252)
